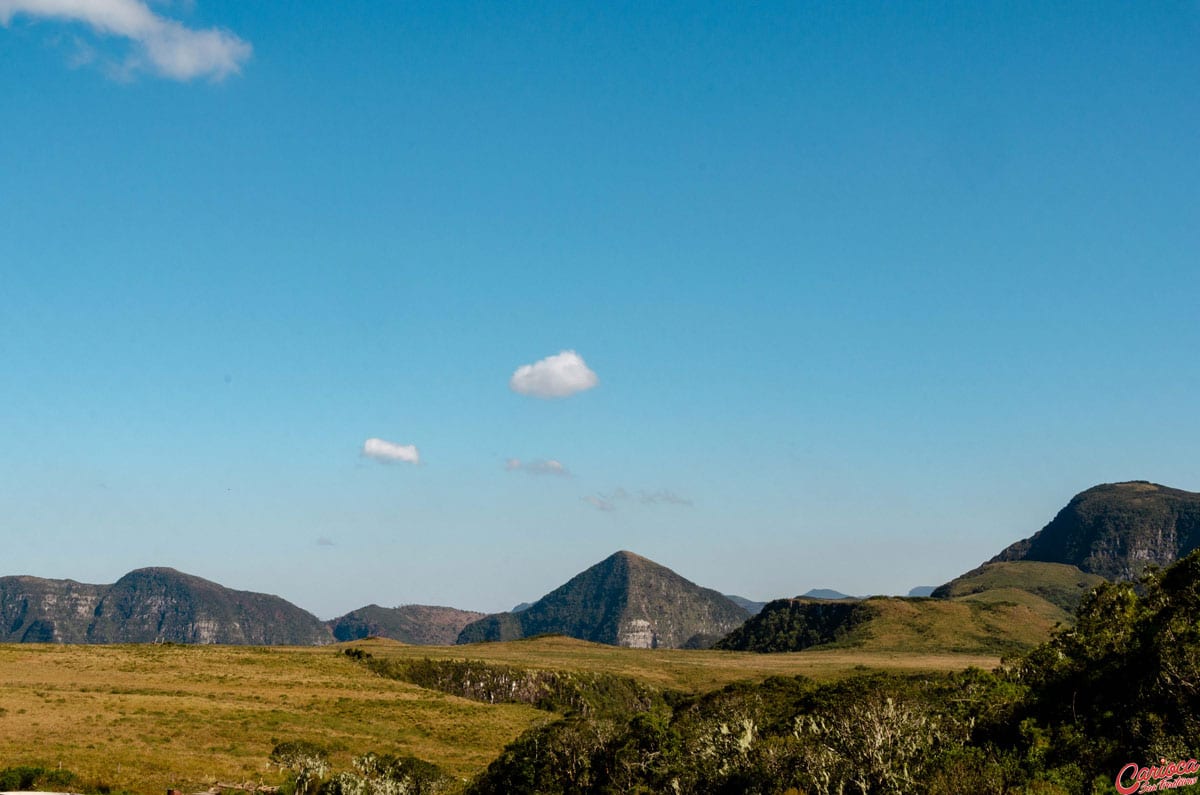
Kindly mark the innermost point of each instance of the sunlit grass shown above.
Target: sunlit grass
(145, 718)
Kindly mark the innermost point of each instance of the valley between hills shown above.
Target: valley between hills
(168, 680)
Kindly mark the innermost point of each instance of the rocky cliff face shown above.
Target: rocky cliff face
(33, 610)
(1116, 530)
(150, 605)
(625, 600)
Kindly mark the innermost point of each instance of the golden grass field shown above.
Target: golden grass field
(145, 718)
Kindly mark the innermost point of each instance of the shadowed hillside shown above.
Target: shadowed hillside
(796, 624)
(421, 625)
(148, 605)
(35, 610)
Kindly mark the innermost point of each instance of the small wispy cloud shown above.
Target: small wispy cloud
(557, 376)
(600, 503)
(542, 466)
(159, 45)
(618, 496)
(662, 497)
(390, 452)
(324, 542)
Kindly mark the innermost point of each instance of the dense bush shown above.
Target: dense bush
(373, 774)
(570, 692)
(27, 778)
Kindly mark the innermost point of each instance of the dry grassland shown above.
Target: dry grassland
(144, 718)
(682, 669)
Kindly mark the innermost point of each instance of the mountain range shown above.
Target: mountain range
(146, 606)
(1108, 532)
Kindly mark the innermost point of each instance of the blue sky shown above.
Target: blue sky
(867, 291)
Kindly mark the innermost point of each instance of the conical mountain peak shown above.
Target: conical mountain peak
(624, 600)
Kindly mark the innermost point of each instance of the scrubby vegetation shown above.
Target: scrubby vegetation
(310, 773)
(796, 624)
(33, 777)
(1120, 691)
(587, 694)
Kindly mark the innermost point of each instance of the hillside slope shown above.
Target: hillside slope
(999, 608)
(900, 624)
(625, 600)
(1059, 584)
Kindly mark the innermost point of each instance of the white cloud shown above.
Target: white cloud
(542, 466)
(388, 452)
(555, 376)
(160, 45)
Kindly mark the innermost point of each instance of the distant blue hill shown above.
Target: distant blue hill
(749, 605)
(923, 590)
(825, 593)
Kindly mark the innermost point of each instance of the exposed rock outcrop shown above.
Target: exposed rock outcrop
(150, 605)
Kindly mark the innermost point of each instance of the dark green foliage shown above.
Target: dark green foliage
(624, 600)
(796, 624)
(871, 734)
(1124, 684)
(556, 758)
(26, 778)
(1116, 530)
(588, 694)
